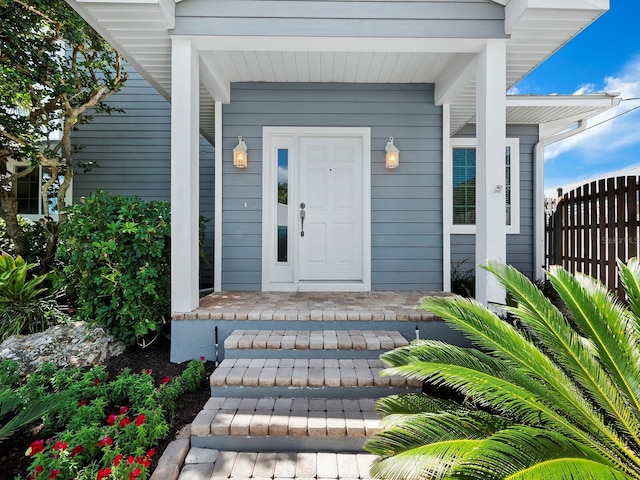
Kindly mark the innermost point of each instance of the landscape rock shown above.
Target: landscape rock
(72, 344)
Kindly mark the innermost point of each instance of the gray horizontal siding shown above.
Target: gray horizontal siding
(519, 246)
(406, 203)
(341, 18)
(132, 154)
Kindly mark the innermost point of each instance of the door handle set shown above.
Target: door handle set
(302, 215)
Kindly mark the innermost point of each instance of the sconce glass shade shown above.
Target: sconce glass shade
(392, 158)
(240, 157)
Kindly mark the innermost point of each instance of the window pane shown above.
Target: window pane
(28, 189)
(464, 186)
(283, 204)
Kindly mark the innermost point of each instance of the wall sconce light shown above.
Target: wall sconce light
(240, 154)
(392, 158)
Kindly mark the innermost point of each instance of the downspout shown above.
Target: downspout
(538, 204)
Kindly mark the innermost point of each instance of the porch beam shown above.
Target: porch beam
(455, 78)
(185, 159)
(491, 239)
(213, 80)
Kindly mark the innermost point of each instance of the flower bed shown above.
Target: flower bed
(108, 429)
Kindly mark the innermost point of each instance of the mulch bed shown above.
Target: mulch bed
(156, 357)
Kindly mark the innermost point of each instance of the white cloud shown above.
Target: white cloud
(604, 135)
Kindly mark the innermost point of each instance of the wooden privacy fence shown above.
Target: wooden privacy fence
(594, 225)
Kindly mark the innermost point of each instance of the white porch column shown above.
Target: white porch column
(491, 241)
(185, 153)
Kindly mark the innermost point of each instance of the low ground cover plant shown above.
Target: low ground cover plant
(108, 428)
(546, 396)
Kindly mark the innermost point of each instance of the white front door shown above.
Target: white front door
(330, 190)
(323, 175)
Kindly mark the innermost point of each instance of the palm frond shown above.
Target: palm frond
(630, 278)
(608, 327)
(535, 371)
(558, 336)
(410, 403)
(405, 432)
(570, 469)
(520, 447)
(505, 398)
(432, 462)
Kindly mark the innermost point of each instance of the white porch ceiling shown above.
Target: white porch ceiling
(140, 30)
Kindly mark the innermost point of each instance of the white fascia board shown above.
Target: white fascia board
(516, 9)
(336, 44)
(455, 77)
(589, 100)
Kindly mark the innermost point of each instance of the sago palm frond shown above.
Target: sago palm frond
(607, 325)
(571, 351)
(411, 403)
(518, 448)
(433, 461)
(404, 432)
(630, 278)
(544, 397)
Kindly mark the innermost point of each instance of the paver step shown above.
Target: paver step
(298, 377)
(314, 340)
(300, 424)
(212, 464)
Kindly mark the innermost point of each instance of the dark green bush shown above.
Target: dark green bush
(116, 252)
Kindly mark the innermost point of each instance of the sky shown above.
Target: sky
(605, 57)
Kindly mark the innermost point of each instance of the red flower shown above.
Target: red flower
(36, 473)
(134, 474)
(76, 450)
(165, 380)
(148, 371)
(111, 419)
(124, 410)
(117, 460)
(105, 442)
(36, 447)
(139, 419)
(105, 472)
(124, 422)
(151, 452)
(54, 473)
(61, 445)
(96, 382)
(130, 459)
(202, 359)
(83, 402)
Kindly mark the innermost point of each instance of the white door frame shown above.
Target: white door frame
(278, 277)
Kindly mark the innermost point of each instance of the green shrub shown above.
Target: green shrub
(35, 236)
(26, 306)
(116, 252)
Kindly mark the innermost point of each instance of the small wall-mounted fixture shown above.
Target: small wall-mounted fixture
(392, 158)
(240, 154)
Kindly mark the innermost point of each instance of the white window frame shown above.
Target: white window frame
(68, 198)
(514, 145)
